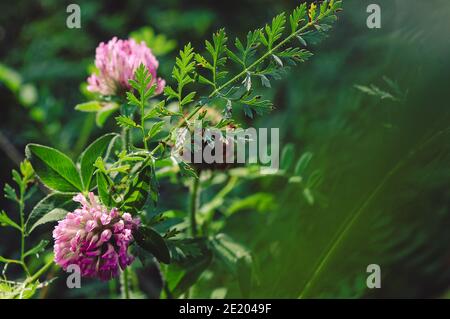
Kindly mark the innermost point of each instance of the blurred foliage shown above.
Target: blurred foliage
(365, 178)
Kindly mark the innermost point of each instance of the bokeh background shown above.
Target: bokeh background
(371, 107)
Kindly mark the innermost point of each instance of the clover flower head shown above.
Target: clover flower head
(95, 239)
(116, 62)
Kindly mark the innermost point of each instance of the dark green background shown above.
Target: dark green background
(384, 196)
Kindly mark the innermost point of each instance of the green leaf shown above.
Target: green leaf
(265, 81)
(155, 110)
(312, 11)
(105, 113)
(126, 122)
(275, 30)
(151, 241)
(89, 156)
(17, 178)
(263, 39)
(302, 163)
(257, 202)
(104, 191)
(187, 170)
(190, 258)
(17, 290)
(315, 179)
(201, 60)
(6, 221)
(54, 169)
(203, 80)
(11, 78)
(51, 208)
(219, 40)
(302, 41)
(257, 104)
(287, 157)
(308, 196)
(182, 72)
(142, 186)
(37, 249)
(52, 216)
(216, 50)
(373, 90)
(159, 43)
(277, 60)
(236, 259)
(188, 98)
(132, 99)
(155, 129)
(26, 170)
(142, 79)
(234, 57)
(228, 251)
(248, 82)
(244, 275)
(92, 106)
(170, 93)
(142, 84)
(297, 15)
(10, 193)
(183, 251)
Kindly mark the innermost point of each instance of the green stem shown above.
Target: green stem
(247, 69)
(18, 262)
(112, 285)
(194, 204)
(124, 282)
(240, 75)
(223, 86)
(167, 290)
(142, 127)
(261, 59)
(125, 285)
(125, 138)
(40, 272)
(235, 78)
(194, 201)
(144, 137)
(22, 233)
(22, 227)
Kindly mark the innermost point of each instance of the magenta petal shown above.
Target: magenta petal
(117, 61)
(81, 240)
